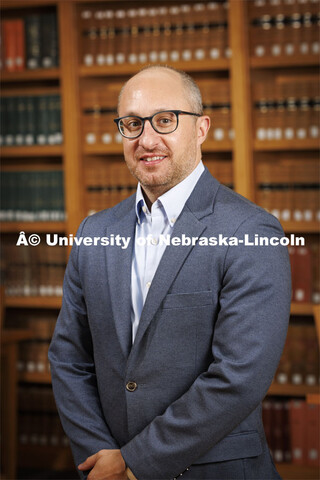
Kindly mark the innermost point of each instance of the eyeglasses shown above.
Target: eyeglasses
(162, 122)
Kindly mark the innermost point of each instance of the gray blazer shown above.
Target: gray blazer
(210, 337)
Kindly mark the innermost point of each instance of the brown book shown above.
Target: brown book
(278, 431)
(303, 275)
(267, 421)
(10, 47)
(297, 416)
(313, 435)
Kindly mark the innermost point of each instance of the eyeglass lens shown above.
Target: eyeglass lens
(162, 122)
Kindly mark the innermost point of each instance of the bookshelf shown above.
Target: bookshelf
(241, 154)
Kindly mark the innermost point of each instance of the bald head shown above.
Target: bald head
(188, 86)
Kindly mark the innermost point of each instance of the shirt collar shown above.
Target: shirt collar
(174, 199)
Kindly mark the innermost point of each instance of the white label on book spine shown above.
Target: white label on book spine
(276, 213)
(41, 139)
(133, 58)
(307, 215)
(301, 133)
(288, 133)
(261, 134)
(153, 56)
(100, 59)
(174, 55)
(19, 139)
(282, 378)
(90, 138)
(276, 50)
(259, 51)
(314, 131)
(297, 377)
(109, 59)
(289, 49)
(88, 60)
(214, 53)
(304, 48)
(143, 57)
(199, 54)
(277, 133)
(186, 55)
(285, 214)
(120, 58)
(9, 139)
(228, 52)
(297, 215)
(29, 139)
(315, 47)
(163, 56)
(106, 138)
(218, 134)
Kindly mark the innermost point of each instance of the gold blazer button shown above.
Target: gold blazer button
(131, 386)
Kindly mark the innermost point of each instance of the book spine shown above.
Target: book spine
(33, 41)
(10, 45)
(49, 40)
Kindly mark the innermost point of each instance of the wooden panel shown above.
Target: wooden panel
(240, 100)
(70, 114)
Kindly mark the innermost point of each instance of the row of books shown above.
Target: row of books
(31, 120)
(287, 120)
(292, 431)
(33, 270)
(299, 363)
(32, 195)
(276, 88)
(257, 8)
(108, 183)
(305, 272)
(41, 429)
(186, 32)
(40, 322)
(295, 35)
(290, 169)
(290, 202)
(30, 42)
(36, 398)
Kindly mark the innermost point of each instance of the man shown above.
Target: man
(163, 352)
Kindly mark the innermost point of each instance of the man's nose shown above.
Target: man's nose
(149, 137)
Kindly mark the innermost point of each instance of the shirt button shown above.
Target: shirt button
(131, 386)
(148, 284)
(144, 209)
(172, 220)
(154, 241)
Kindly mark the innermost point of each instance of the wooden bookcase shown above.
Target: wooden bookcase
(72, 77)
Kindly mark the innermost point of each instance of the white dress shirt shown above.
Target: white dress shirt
(160, 221)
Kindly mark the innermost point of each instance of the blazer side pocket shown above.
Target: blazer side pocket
(187, 300)
(233, 447)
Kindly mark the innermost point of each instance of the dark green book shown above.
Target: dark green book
(30, 135)
(33, 41)
(21, 127)
(42, 120)
(49, 41)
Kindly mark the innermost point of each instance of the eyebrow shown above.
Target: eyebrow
(163, 109)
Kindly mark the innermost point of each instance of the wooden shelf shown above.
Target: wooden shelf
(33, 151)
(292, 390)
(27, 75)
(301, 227)
(127, 69)
(215, 146)
(39, 227)
(290, 471)
(8, 4)
(285, 61)
(308, 144)
(35, 377)
(33, 302)
(301, 308)
(15, 335)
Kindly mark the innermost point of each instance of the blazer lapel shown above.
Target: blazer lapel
(198, 205)
(119, 278)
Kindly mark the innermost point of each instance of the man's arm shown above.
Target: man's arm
(248, 340)
(73, 371)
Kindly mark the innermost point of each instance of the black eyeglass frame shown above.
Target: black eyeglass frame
(143, 119)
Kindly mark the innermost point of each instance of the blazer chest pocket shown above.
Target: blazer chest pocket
(187, 300)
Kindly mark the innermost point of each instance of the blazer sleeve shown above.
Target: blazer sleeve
(248, 340)
(73, 371)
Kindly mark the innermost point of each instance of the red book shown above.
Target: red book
(297, 416)
(302, 275)
(20, 44)
(9, 43)
(313, 435)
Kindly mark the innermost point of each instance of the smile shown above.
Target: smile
(156, 158)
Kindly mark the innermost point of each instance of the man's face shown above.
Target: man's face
(174, 155)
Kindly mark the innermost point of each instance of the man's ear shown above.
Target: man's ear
(203, 124)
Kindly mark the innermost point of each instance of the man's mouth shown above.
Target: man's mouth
(152, 159)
